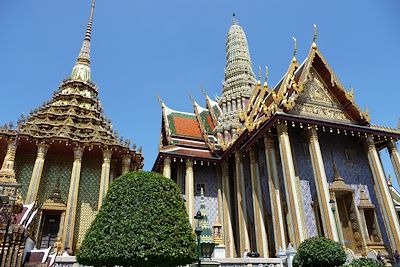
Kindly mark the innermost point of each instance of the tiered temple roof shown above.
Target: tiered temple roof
(308, 94)
(74, 114)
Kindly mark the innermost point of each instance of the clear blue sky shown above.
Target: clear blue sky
(172, 48)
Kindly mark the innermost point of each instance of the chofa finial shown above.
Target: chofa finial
(266, 77)
(259, 75)
(314, 43)
(295, 49)
(160, 100)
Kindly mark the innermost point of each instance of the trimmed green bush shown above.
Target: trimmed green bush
(142, 222)
(363, 262)
(319, 251)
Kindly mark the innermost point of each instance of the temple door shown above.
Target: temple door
(343, 204)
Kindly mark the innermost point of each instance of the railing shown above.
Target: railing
(230, 262)
(251, 262)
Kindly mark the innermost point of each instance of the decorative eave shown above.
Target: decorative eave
(206, 136)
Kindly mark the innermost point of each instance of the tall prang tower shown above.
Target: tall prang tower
(65, 154)
(238, 83)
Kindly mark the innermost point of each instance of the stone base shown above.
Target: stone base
(219, 252)
(207, 263)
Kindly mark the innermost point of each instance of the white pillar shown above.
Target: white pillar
(293, 196)
(72, 201)
(227, 213)
(394, 156)
(36, 173)
(167, 167)
(126, 164)
(258, 206)
(189, 190)
(275, 194)
(321, 184)
(105, 176)
(383, 194)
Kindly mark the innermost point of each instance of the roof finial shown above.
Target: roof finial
(191, 98)
(259, 75)
(81, 70)
(266, 77)
(84, 55)
(314, 43)
(160, 100)
(234, 20)
(295, 50)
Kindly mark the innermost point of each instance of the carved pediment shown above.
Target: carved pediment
(317, 101)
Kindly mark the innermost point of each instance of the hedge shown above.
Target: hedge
(142, 222)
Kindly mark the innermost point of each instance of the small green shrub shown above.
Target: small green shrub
(363, 262)
(142, 222)
(319, 251)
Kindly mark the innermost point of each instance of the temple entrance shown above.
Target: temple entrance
(344, 203)
(50, 227)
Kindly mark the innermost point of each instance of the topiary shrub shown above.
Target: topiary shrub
(319, 251)
(142, 222)
(363, 262)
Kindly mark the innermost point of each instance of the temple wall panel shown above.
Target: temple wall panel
(249, 200)
(88, 195)
(23, 166)
(56, 166)
(303, 166)
(264, 182)
(207, 175)
(352, 164)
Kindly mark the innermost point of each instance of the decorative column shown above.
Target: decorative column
(189, 190)
(258, 207)
(275, 194)
(36, 173)
(244, 242)
(293, 196)
(321, 184)
(126, 164)
(227, 213)
(72, 201)
(105, 176)
(394, 156)
(7, 174)
(167, 167)
(383, 193)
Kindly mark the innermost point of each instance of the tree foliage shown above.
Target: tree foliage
(142, 222)
(319, 251)
(363, 262)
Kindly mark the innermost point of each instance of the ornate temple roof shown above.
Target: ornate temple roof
(308, 93)
(74, 114)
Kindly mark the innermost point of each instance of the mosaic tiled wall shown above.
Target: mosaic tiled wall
(23, 167)
(88, 196)
(56, 166)
(352, 164)
(207, 175)
(303, 166)
(249, 200)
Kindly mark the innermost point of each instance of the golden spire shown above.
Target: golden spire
(314, 43)
(295, 50)
(81, 70)
(84, 55)
(266, 77)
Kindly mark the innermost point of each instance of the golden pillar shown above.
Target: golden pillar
(275, 194)
(244, 242)
(72, 201)
(189, 190)
(293, 196)
(394, 156)
(321, 184)
(7, 174)
(36, 173)
(258, 207)
(227, 213)
(105, 176)
(167, 167)
(383, 194)
(126, 164)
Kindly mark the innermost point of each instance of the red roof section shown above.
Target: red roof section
(187, 127)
